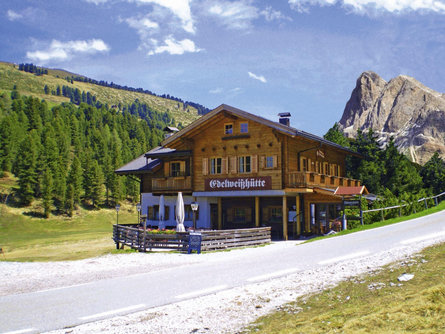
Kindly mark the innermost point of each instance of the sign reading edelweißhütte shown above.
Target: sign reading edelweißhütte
(239, 184)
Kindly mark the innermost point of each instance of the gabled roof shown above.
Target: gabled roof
(138, 166)
(160, 151)
(287, 130)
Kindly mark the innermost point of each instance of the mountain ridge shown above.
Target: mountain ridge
(403, 109)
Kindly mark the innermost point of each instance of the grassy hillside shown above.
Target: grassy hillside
(33, 85)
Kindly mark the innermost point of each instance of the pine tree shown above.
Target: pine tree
(75, 180)
(47, 192)
(97, 181)
(26, 164)
(70, 199)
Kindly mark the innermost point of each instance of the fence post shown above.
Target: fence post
(426, 204)
(381, 213)
(400, 211)
(435, 201)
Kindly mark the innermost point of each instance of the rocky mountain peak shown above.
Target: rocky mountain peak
(403, 108)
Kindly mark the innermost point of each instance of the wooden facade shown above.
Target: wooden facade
(245, 171)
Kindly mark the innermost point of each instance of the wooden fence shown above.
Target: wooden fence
(211, 240)
(399, 207)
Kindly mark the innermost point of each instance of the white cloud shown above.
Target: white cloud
(174, 47)
(257, 77)
(180, 8)
(363, 6)
(216, 91)
(234, 15)
(12, 16)
(65, 50)
(271, 14)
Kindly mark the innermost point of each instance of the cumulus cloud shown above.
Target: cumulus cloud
(13, 16)
(234, 15)
(271, 14)
(174, 47)
(65, 50)
(180, 8)
(363, 6)
(257, 77)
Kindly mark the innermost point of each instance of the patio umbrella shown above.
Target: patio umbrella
(180, 213)
(161, 213)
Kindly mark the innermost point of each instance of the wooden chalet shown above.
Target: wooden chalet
(244, 171)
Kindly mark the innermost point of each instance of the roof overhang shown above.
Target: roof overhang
(229, 111)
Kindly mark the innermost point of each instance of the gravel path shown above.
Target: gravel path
(223, 312)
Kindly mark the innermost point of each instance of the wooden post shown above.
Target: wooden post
(297, 209)
(285, 217)
(257, 211)
(219, 213)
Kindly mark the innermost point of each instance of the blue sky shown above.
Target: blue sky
(265, 57)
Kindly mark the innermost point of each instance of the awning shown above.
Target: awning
(351, 191)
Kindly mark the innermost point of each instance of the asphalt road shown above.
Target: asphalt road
(73, 305)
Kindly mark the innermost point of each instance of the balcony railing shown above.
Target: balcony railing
(183, 183)
(312, 179)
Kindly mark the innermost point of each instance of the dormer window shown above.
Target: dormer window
(244, 127)
(228, 128)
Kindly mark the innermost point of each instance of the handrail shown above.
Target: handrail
(403, 205)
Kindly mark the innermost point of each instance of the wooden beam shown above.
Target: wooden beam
(257, 211)
(285, 217)
(297, 209)
(219, 213)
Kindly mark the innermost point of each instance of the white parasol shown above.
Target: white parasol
(180, 213)
(161, 213)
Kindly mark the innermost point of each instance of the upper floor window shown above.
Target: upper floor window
(244, 127)
(215, 166)
(228, 129)
(175, 169)
(270, 162)
(245, 165)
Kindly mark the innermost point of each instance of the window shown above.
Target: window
(228, 129)
(215, 166)
(269, 162)
(276, 214)
(189, 213)
(153, 212)
(244, 127)
(175, 169)
(304, 161)
(245, 164)
(239, 215)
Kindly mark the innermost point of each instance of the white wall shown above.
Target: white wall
(204, 209)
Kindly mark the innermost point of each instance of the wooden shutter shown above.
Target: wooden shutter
(275, 161)
(254, 163)
(166, 168)
(205, 166)
(224, 167)
(262, 162)
(182, 168)
(233, 169)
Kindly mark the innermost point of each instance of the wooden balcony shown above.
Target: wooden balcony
(312, 179)
(172, 184)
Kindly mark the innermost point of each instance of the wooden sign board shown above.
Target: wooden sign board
(239, 184)
(195, 240)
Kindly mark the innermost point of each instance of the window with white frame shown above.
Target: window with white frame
(215, 165)
(244, 164)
